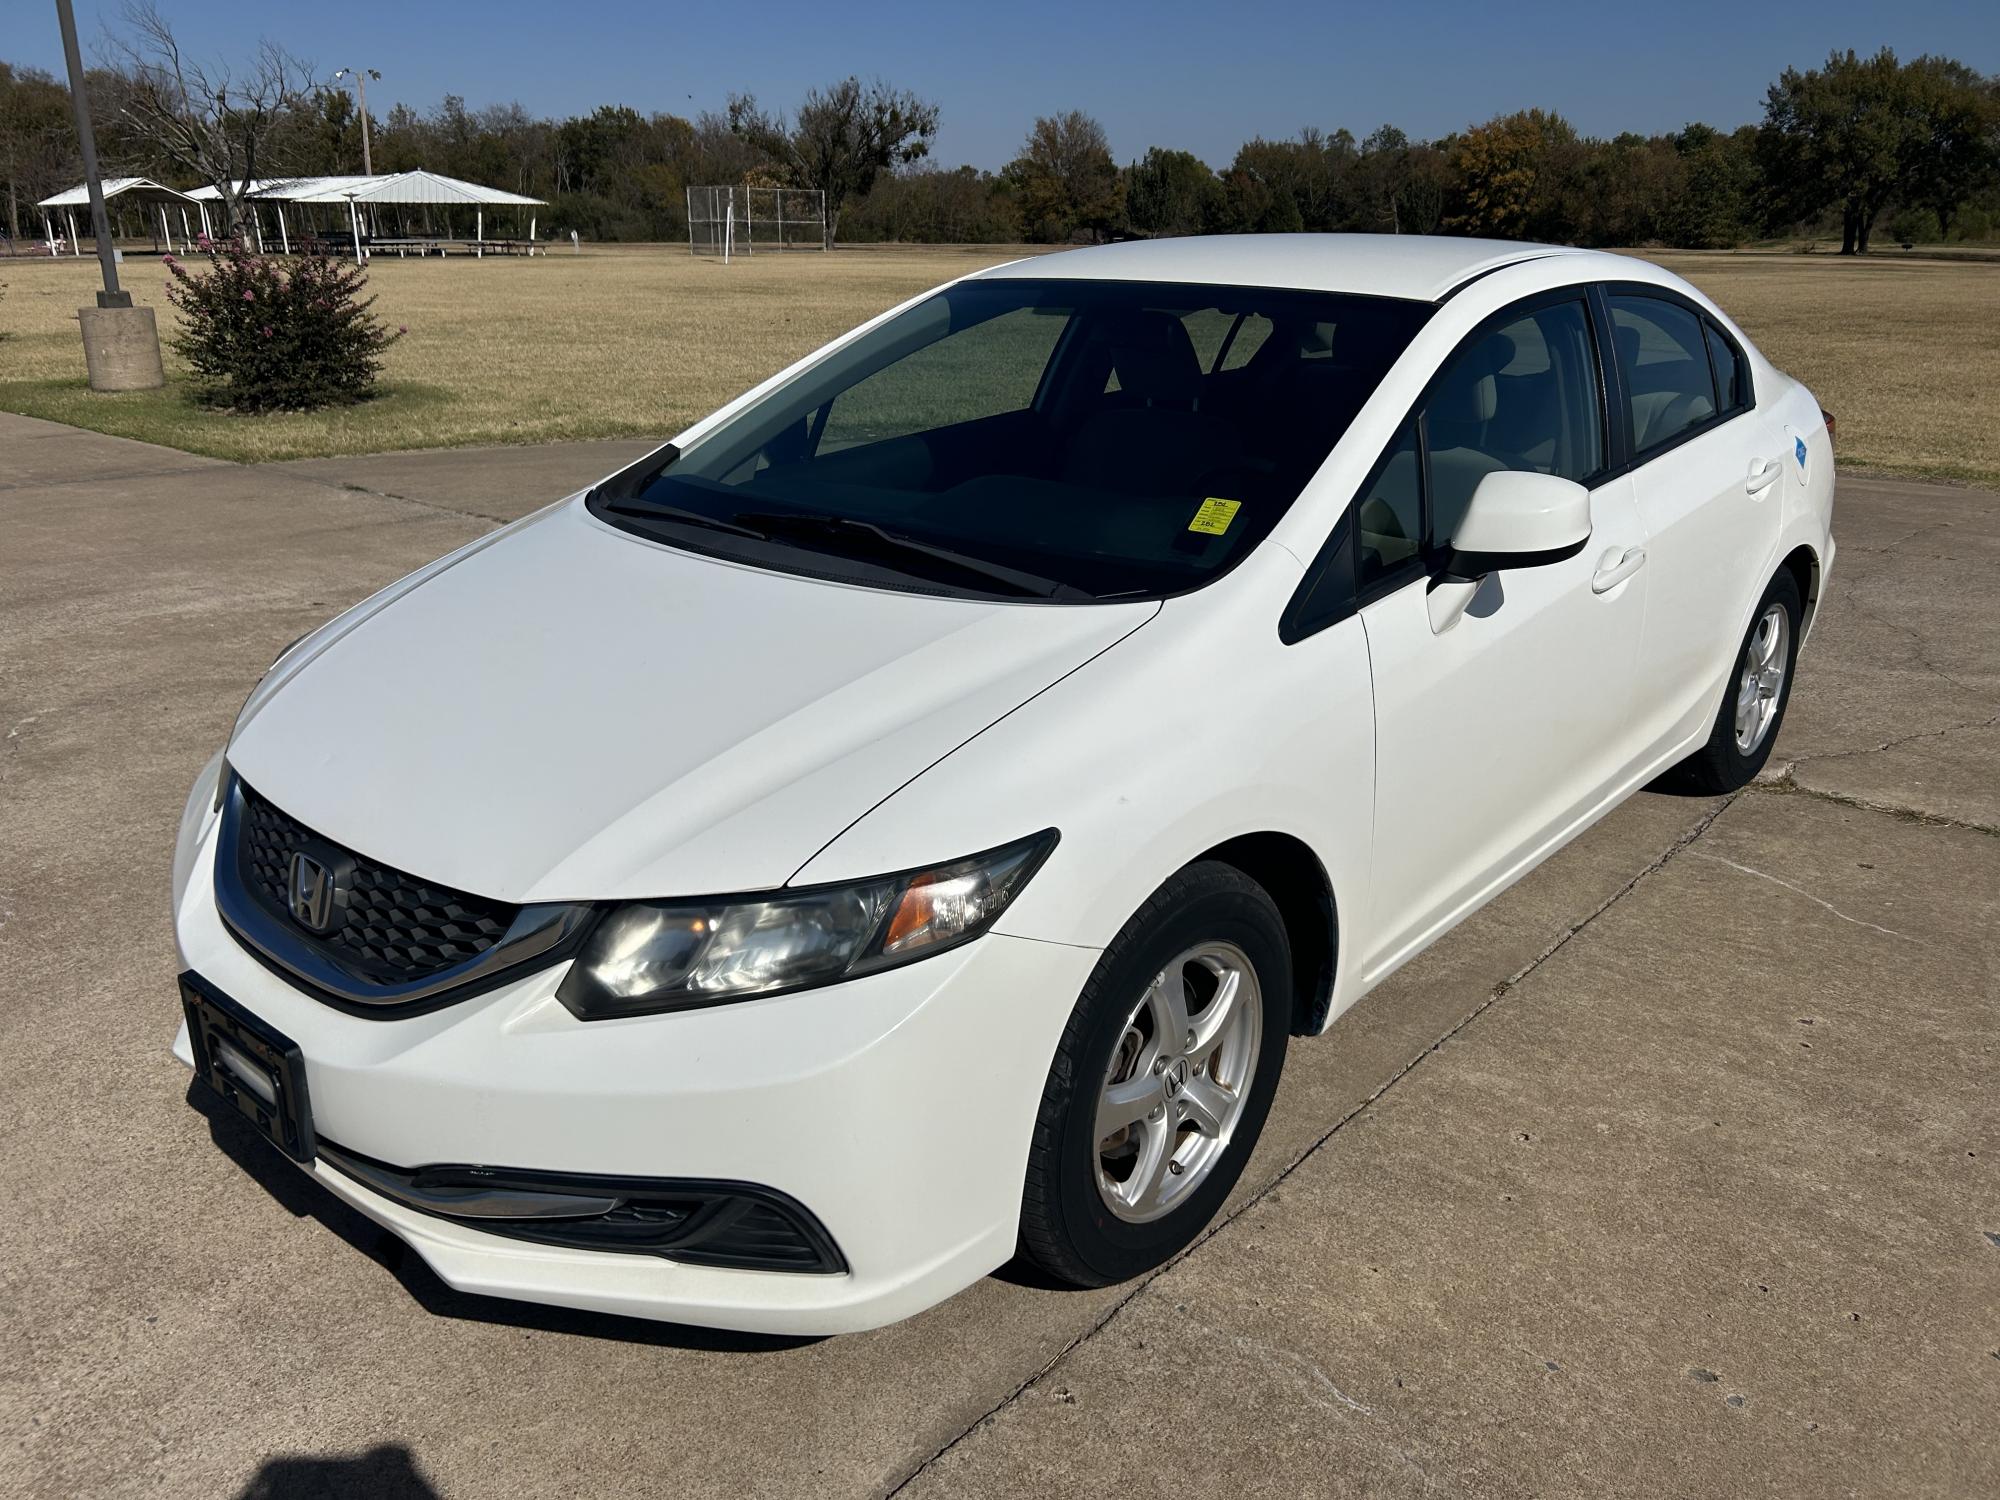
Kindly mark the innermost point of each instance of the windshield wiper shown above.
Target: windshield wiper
(660, 510)
(848, 528)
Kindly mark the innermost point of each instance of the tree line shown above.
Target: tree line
(1860, 145)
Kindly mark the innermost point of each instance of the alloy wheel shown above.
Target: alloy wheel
(1759, 690)
(1178, 1081)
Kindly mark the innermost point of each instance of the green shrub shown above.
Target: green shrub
(264, 337)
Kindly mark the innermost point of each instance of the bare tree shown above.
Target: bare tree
(844, 137)
(203, 119)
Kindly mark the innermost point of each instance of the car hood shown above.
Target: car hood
(574, 713)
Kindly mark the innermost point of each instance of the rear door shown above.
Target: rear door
(1708, 480)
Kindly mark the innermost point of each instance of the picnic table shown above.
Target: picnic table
(421, 245)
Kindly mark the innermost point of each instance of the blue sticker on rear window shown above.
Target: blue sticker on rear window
(1799, 447)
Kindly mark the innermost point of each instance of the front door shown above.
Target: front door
(1498, 734)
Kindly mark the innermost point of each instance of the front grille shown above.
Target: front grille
(386, 926)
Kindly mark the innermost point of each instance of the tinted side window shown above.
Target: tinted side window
(1732, 381)
(1524, 396)
(1664, 359)
(1389, 515)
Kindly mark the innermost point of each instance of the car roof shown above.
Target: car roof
(1422, 268)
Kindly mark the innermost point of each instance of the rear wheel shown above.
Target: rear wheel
(1746, 725)
(1162, 1080)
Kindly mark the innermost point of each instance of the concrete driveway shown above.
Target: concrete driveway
(1675, 1171)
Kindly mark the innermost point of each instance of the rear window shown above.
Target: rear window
(1663, 357)
(1732, 381)
(1107, 439)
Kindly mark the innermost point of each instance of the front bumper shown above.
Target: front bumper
(897, 1108)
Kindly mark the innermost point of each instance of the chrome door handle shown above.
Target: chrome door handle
(1615, 570)
(1761, 476)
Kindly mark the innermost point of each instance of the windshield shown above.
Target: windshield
(1060, 439)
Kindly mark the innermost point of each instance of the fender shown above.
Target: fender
(1185, 781)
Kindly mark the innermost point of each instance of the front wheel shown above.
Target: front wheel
(1162, 1080)
(1746, 725)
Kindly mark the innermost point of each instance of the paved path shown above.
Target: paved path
(1673, 1171)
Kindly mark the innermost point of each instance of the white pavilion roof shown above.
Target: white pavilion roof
(413, 187)
(143, 187)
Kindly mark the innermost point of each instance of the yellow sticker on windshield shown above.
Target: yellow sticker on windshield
(1214, 516)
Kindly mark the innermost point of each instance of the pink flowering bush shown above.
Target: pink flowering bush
(262, 336)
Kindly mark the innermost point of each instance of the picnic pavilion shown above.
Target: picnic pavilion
(408, 213)
(122, 197)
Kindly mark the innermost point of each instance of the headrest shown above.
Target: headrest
(1316, 339)
(1469, 392)
(1153, 357)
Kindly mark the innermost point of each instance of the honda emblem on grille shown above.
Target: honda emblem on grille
(311, 893)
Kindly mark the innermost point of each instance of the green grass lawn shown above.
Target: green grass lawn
(640, 340)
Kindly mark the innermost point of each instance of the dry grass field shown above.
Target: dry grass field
(639, 340)
(1905, 352)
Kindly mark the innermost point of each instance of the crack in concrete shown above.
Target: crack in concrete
(1801, 890)
(1498, 993)
(1892, 545)
(1786, 786)
(344, 487)
(1922, 645)
(1894, 742)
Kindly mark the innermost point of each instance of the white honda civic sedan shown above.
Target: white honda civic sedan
(901, 823)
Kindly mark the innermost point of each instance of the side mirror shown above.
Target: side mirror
(1520, 519)
(1516, 519)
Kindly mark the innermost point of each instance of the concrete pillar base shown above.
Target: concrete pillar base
(121, 348)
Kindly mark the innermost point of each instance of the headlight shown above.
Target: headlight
(671, 955)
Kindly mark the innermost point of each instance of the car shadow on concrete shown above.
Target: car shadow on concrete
(302, 1197)
(385, 1473)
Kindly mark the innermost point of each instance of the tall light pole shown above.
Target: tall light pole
(361, 77)
(86, 139)
(121, 343)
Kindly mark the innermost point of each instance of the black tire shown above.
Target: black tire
(1066, 1226)
(1719, 766)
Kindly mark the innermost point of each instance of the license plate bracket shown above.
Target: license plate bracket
(250, 1066)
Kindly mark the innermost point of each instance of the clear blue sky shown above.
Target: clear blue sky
(1202, 77)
